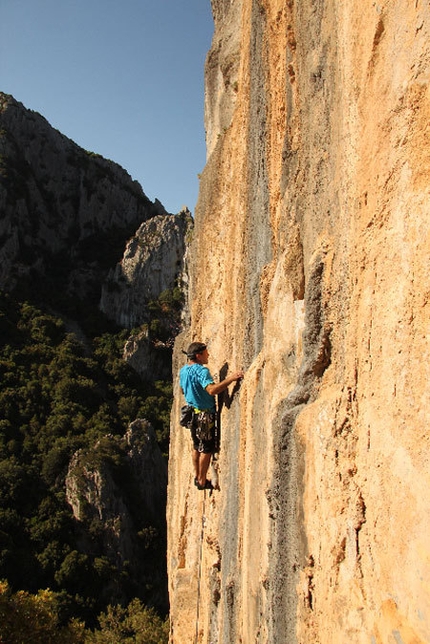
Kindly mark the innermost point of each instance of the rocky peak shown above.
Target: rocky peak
(64, 211)
(153, 262)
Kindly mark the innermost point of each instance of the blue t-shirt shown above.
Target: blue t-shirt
(194, 378)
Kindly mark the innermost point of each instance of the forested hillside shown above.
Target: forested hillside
(61, 394)
(85, 389)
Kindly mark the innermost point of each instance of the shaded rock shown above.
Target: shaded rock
(65, 213)
(152, 360)
(117, 492)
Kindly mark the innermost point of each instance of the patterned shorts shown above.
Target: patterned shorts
(203, 432)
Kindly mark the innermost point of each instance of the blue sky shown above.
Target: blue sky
(123, 78)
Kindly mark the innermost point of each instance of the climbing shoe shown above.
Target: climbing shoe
(207, 486)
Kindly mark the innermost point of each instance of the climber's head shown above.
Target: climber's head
(197, 352)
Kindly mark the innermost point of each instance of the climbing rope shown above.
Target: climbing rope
(200, 568)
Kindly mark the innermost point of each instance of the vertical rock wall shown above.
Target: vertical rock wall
(309, 269)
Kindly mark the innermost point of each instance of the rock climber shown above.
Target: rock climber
(199, 390)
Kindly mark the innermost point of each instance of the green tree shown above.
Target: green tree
(34, 618)
(135, 624)
(59, 394)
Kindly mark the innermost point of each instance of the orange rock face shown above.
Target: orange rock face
(309, 268)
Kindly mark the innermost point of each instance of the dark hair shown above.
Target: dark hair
(194, 349)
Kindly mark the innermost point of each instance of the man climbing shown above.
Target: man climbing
(199, 390)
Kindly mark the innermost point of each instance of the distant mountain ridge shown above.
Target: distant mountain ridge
(66, 214)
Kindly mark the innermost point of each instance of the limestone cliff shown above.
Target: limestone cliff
(309, 268)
